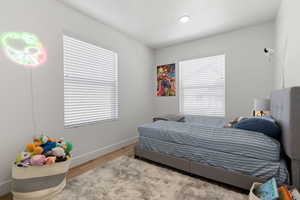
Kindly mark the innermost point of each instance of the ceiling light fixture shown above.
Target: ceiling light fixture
(184, 19)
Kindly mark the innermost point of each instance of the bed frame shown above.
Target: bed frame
(285, 108)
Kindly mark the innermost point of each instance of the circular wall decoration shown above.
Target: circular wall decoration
(24, 48)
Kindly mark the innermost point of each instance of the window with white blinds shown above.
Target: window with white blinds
(90, 83)
(202, 86)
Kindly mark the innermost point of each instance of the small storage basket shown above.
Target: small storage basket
(252, 196)
(39, 182)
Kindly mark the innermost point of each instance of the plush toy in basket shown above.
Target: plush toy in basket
(44, 151)
(40, 171)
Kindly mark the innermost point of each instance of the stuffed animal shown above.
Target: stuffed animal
(23, 157)
(38, 151)
(44, 151)
(233, 122)
(48, 146)
(34, 149)
(60, 142)
(30, 147)
(37, 142)
(44, 139)
(52, 140)
(69, 147)
(50, 160)
(58, 152)
(38, 160)
(61, 159)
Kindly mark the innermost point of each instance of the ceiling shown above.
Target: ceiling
(155, 22)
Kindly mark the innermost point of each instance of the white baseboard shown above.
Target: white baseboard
(5, 186)
(100, 152)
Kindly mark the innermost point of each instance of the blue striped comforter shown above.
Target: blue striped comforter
(234, 141)
(247, 152)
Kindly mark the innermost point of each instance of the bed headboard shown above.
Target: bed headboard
(285, 108)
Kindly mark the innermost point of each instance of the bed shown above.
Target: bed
(201, 146)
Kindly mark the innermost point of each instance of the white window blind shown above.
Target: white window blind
(90, 83)
(202, 86)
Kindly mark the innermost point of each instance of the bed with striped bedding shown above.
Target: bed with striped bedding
(205, 141)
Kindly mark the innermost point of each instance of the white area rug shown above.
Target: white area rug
(126, 178)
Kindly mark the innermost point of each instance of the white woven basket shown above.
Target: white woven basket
(39, 182)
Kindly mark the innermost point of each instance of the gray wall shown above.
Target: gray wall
(48, 19)
(287, 45)
(249, 73)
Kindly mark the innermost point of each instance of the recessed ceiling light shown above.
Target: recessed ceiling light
(184, 19)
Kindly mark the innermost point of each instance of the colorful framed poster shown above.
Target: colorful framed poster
(166, 80)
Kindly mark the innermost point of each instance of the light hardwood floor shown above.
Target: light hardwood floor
(76, 171)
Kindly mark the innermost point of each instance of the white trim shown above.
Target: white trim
(95, 87)
(102, 151)
(180, 87)
(5, 185)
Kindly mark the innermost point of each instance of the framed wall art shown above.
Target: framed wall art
(166, 80)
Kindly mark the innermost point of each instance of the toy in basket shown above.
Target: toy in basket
(40, 171)
(271, 191)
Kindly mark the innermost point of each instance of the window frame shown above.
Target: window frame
(180, 91)
(114, 84)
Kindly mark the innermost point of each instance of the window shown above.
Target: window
(202, 86)
(90, 83)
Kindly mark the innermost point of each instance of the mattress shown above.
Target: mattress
(246, 152)
(234, 141)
